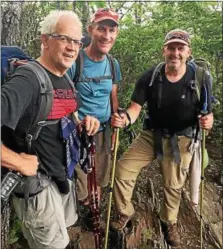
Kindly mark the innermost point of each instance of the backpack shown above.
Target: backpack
(13, 57)
(197, 64)
(203, 63)
(201, 69)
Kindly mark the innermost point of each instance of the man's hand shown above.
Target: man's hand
(23, 163)
(29, 164)
(91, 125)
(206, 122)
(119, 120)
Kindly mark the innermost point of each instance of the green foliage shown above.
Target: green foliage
(147, 235)
(15, 232)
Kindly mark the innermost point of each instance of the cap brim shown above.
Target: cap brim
(176, 40)
(105, 18)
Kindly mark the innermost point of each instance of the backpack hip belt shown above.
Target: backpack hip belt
(159, 134)
(32, 184)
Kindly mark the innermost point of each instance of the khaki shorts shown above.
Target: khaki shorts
(102, 168)
(49, 213)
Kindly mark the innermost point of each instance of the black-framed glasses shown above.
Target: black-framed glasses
(64, 39)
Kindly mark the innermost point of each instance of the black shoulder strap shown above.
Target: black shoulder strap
(71, 83)
(112, 67)
(46, 99)
(113, 73)
(157, 76)
(79, 67)
(156, 71)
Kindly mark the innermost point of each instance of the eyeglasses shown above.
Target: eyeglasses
(66, 40)
(178, 35)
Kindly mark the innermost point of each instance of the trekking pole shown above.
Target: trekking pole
(203, 112)
(202, 184)
(111, 186)
(94, 196)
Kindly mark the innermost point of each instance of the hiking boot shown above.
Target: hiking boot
(171, 234)
(121, 223)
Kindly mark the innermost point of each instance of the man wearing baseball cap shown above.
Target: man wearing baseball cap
(177, 35)
(167, 134)
(97, 88)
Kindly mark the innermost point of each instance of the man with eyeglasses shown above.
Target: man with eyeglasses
(46, 211)
(98, 92)
(167, 133)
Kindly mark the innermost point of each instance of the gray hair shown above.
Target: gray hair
(49, 23)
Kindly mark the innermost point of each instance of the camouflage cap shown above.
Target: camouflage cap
(177, 35)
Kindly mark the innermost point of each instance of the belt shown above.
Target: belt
(103, 126)
(22, 195)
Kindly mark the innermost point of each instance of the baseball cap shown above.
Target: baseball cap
(177, 35)
(105, 14)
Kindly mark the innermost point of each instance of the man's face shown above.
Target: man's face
(61, 51)
(176, 54)
(103, 35)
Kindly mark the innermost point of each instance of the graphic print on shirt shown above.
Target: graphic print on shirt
(64, 103)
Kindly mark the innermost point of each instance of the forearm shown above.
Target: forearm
(133, 111)
(114, 98)
(115, 104)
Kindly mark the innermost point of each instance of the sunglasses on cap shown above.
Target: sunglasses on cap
(178, 35)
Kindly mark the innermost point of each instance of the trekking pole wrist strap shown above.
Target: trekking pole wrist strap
(127, 126)
(122, 110)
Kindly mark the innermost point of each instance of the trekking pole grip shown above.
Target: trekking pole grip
(114, 133)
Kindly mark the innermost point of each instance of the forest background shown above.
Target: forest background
(143, 26)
